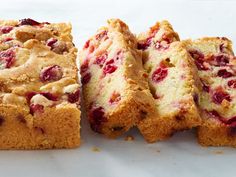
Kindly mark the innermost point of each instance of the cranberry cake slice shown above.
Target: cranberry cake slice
(216, 65)
(39, 91)
(171, 81)
(115, 87)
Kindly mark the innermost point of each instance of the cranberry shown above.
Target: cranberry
(96, 117)
(74, 97)
(48, 95)
(29, 95)
(145, 44)
(219, 96)
(7, 58)
(84, 66)
(159, 75)
(109, 67)
(214, 114)
(115, 98)
(2, 120)
(102, 35)
(36, 108)
(231, 121)
(198, 59)
(86, 45)
(86, 78)
(51, 42)
(6, 29)
(221, 60)
(51, 73)
(28, 21)
(206, 88)
(224, 73)
(232, 84)
(196, 54)
(100, 60)
(7, 39)
(201, 65)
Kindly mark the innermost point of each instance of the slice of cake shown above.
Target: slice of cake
(171, 81)
(39, 92)
(216, 65)
(115, 87)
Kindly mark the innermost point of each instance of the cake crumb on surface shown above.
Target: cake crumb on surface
(218, 152)
(95, 149)
(129, 138)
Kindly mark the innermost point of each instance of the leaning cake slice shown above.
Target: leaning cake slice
(115, 87)
(39, 92)
(216, 65)
(171, 81)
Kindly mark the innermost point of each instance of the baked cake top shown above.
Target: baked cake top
(37, 64)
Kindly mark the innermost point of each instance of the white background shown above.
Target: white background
(181, 155)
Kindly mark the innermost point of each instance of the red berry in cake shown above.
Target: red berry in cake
(86, 78)
(7, 39)
(199, 59)
(109, 67)
(159, 74)
(220, 95)
(28, 21)
(206, 88)
(2, 120)
(115, 98)
(7, 58)
(232, 84)
(102, 35)
(6, 29)
(221, 60)
(144, 45)
(49, 96)
(97, 117)
(86, 45)
(74, 97)
(224, 73)
(36, 108)
(51, 73)
(196, 54)
(84, 66)
(51, 42)
(100, 60)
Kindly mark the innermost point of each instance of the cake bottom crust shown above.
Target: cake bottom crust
(156, 128)
(53, 128)
(214, 133)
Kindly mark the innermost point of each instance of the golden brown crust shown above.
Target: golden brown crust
(214, 133)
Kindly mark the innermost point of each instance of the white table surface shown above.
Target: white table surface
(181, 155)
